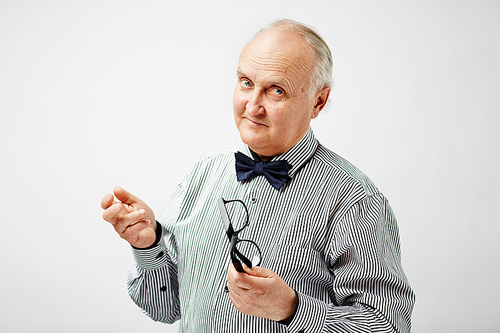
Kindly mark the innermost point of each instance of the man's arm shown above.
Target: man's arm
(152, 281)
(371, 291)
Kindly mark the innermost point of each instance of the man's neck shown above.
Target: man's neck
(260, 157)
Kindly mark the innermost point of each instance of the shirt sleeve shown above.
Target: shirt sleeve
(371, 291)
(152, 280)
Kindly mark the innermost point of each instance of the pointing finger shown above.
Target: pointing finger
(125, 196)
(107, 201)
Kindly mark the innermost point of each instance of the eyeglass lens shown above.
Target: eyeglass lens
(248, 250)
(238, 215)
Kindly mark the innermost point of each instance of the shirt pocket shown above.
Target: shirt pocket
(304, 231)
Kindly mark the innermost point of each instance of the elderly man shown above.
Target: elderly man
(328, 239)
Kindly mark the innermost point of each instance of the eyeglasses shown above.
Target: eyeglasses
(240, 249)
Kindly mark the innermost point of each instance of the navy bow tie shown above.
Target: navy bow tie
(276, 172)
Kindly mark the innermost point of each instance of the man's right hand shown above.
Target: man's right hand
(132, 219)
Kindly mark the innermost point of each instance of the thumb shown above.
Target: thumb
(125, 196)
(257, 271)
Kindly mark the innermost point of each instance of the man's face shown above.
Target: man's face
(272, 106)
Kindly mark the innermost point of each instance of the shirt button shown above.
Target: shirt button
(160, 255)
(253, 199)
(164, 288)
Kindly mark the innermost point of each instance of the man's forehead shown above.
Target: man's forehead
(274, 66)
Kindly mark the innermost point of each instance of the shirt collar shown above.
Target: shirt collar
(298, 155)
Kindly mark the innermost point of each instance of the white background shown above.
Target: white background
(95, 94)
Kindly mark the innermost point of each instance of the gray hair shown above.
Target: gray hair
(322, 75)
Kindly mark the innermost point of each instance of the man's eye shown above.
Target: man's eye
(277, 91)
(245, 83)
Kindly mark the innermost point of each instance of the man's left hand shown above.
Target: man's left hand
(260, 292)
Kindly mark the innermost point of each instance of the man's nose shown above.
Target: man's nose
(254, 105)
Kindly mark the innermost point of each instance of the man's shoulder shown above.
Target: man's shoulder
(341, 170)
(221, 152)
(215, 159)
(212, 166)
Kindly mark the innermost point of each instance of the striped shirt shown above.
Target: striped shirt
(328, 233)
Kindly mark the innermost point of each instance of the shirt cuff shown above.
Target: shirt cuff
(309, 315)
(154, 256)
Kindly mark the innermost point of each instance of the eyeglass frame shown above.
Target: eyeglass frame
(233, 236)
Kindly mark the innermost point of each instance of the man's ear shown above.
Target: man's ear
(321, 99)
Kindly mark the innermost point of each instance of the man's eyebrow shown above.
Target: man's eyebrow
(279, 83)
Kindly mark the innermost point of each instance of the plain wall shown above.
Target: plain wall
(95, 94)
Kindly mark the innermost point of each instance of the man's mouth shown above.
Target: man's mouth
(255, 123)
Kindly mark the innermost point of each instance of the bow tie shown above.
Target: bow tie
(276, 172)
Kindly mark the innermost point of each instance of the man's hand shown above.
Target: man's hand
(132, 219)
(260, 292)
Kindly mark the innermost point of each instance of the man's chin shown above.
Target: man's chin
(254, 142)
